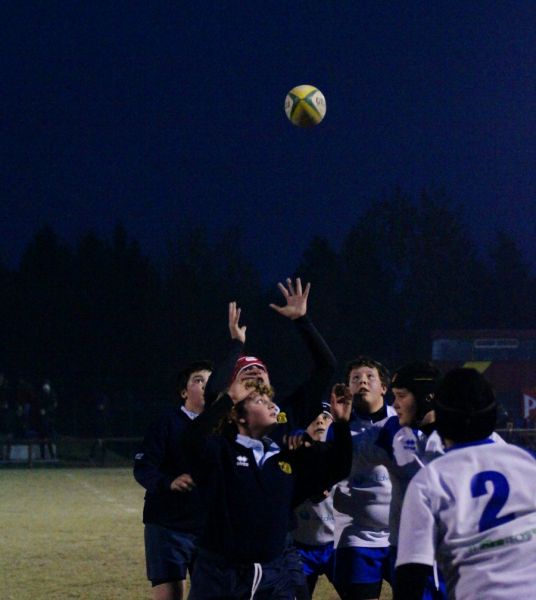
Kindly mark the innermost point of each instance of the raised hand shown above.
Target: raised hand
(240, 390)
(296, 299)
(340, 402)
(237, 331)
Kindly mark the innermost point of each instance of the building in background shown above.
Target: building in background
(507, 358)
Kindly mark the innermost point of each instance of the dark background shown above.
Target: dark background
(149, 175)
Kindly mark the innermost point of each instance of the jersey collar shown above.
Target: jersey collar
(262, 449)
(473, 443)
(375, 416)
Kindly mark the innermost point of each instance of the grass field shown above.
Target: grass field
(76, 533)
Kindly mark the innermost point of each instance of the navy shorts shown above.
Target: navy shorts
(317, 560)
(360, 565)
(216, 579)
(168, 554)
(294, 565)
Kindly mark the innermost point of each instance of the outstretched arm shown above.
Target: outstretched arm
(221, 377)
(322, 464)
(304, 403)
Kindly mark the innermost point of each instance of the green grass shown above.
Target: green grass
(71, 533)
(76, 533)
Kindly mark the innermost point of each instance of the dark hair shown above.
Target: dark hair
(420, 378)
(193, 367)
(366, 361)
(465, 405)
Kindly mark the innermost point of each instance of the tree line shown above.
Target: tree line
(101, 313)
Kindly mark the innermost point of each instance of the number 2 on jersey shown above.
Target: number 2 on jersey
(498, 499)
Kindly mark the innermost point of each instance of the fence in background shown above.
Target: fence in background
(119, 451)
(69, 451)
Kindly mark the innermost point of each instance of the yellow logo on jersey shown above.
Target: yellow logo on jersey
(285, 467)
(282, 417)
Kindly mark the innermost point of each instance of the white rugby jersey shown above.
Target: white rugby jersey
(474, 510)
(315, 522)
(403, 451)
(361, 502)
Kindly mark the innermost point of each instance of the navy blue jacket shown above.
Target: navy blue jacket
(249, 507)
(158, 463)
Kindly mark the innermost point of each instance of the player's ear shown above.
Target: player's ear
(184, 394)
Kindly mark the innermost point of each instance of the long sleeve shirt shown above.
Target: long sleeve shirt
(249, 504)
(161, 460)
(304, 403)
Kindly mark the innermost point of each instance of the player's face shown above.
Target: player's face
(367, 389)
(260, 415)
(194, 394)
(254, 373)
(318, 428)
(405, 406)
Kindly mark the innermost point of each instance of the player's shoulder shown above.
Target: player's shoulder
(172, 415)
(391, 412)
(496, 444)
(434, 447)
(391, 428)
(387, 433)
(480, 451)
(156, 421)
(169, 419)
(484, 456)
(522, 452)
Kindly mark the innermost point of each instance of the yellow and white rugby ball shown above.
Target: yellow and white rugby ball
(305, 106)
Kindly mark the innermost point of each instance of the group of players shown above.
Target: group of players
(263, 498)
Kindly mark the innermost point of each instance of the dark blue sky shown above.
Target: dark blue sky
(165, 115)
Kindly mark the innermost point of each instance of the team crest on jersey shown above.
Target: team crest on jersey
(404, 447)
(242, 461)
(138, 456)
(285, 467)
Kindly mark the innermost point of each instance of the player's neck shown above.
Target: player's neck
(368, 408)
(256, 433)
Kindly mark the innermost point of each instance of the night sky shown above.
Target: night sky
(169, 115)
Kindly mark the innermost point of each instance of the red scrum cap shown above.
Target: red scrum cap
(247, 361)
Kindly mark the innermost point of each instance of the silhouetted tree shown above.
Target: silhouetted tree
(512, 285)
(444, 279)
(44, 306)
(203, 275)
(323, 267)
(133, 290)
(375, 260)
(103, 316)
